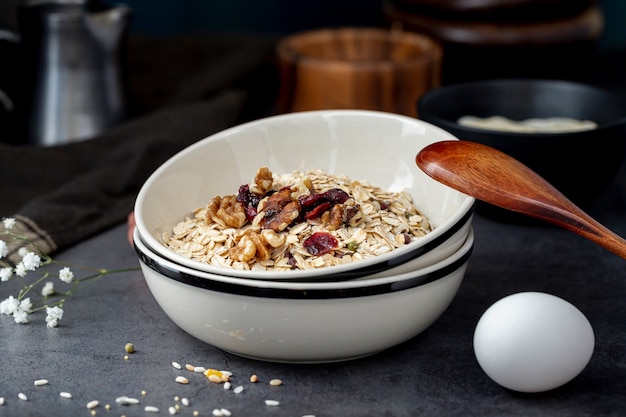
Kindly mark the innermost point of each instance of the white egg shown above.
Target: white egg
(533, 342)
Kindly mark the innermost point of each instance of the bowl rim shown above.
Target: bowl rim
(447, 123)
(348, 271)
(303, 290)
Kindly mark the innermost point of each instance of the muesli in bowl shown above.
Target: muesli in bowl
(298, 220)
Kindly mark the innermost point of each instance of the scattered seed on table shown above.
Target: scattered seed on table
(93, 404)
(64, 394)
(143, 393)
(217, 413)
(151, 409)
(41, 382)
(22, 396)
(254, 378)
(196, 413)
(272, 403)
(185, 402)
(182, 380)
(1, 400)
(172, 410)
(226, 385)
(177, 365)
(129, 348)
(126, 357)
(124, 400)
(238, 389)
(189, 367)
(225, 412)
(107, 407)
(199, 369)
(215, 378)
(276, 382)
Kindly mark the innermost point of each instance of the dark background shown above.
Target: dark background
(278, 17)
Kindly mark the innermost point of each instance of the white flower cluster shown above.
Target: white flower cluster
(21, 306)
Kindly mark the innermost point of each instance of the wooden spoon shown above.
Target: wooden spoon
(496, 178)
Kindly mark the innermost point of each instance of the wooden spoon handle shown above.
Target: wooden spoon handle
(586, 226)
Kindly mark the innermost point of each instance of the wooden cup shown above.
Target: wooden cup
(357, 68)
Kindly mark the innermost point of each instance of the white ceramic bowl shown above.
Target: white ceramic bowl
(299, 322)
(365, 145)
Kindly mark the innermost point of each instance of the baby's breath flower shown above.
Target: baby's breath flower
(31, 261)
(6, 274)
(54, 314)
(9, 305)
(48, 289)
(20, 316)
(66, 275)
(22, 251)
(20, 270)
(9, 222)
(4, 249)
(26, 305)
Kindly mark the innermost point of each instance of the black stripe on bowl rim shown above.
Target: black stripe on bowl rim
(168, 270)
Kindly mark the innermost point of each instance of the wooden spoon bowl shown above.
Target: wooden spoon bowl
(492, 176)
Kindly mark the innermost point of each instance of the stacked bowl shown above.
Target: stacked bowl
(317, 314)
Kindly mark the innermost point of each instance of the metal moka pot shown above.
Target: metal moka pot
(73, 69)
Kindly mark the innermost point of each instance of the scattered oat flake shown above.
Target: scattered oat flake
(93, 404)
(151, 409)
(22, 396)
(64, 394)
(182, 380)
(272, 403)
(177, 365)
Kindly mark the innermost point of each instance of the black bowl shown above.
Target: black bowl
(580, 164)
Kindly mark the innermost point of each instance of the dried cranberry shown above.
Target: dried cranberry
(311, 200)
(311, 205)
(249, 200)
(317, 211)
(336, 196)
(320, 243)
